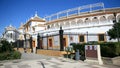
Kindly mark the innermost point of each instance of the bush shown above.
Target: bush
(5, 46)
(10, 55)
(7, 51)
(16, 55)
(80, 47)
(110, 49)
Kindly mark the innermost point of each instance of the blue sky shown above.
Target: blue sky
(16, 11)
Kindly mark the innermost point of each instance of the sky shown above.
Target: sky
(15, 12)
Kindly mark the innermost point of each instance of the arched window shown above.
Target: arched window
(79, 22)
(87, 21)
(95, 20)
(73, 23)
(111, 18)
(67, 24)
(103, 19)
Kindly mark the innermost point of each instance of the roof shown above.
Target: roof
(10, 27)
(36, 18)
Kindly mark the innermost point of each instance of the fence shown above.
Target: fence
(59, 40)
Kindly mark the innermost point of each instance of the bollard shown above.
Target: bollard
(77, 56)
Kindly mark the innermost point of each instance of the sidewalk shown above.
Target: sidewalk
(49, 62)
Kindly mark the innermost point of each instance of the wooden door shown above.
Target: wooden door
(41, 46)
(64, 42)
(33, 43)
(50, 42)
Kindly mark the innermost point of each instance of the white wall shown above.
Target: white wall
(44, 41)
(56, 40)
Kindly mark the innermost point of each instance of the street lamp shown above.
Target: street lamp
(117, 31)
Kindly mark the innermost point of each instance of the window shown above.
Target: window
(81, 38)
(101, 37)
(86, 19)
(48, 27)
(10, 35)
(95, 17)
(33, 29)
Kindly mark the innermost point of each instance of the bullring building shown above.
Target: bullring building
(77, 25)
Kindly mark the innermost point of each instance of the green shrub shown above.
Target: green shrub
(16, 55)
(110, 49)
(2, 56)
(5, 46)
(81, 48)
(10, 55)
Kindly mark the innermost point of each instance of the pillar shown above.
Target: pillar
(61, 39)
(31, 44)
(38, 41)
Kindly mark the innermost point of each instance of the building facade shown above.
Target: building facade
(10, 34)
(78, 27)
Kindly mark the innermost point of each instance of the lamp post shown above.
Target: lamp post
(117, 31)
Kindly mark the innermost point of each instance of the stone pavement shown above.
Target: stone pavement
(40, 61)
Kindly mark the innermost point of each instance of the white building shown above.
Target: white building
(10, 34)
(79, 26)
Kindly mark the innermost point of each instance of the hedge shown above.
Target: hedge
(108, 49)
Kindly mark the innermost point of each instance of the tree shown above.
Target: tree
(115, 31)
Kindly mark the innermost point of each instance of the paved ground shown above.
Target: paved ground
(40, 61)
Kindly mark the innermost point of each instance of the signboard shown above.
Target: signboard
(92, 52)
